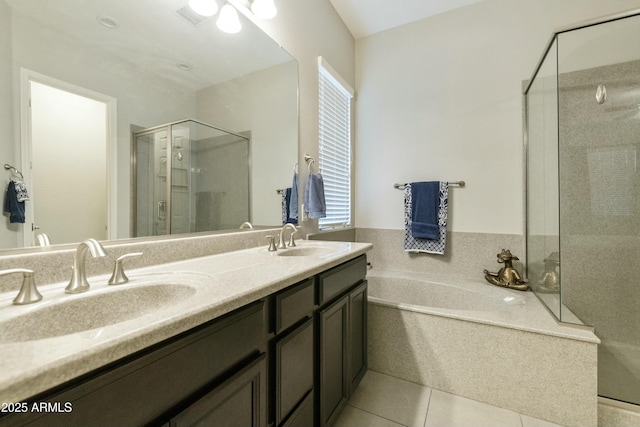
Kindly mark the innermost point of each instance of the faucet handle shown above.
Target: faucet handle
(292, 242)
(118, 277)
(28, 291)
(272, 243)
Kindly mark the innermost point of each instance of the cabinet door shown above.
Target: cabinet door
(303, 415)
(332, 381)
(294, 369)
(357, 335)
(240, 401)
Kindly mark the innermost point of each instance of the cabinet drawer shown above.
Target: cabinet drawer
(340, 278)
(294, 368)
(293, 304)
(240, 401)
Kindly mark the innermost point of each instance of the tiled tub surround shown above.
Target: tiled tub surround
(489, 344)
(517, 358)
(466, 254)
(221, 283)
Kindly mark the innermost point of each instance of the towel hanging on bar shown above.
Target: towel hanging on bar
(456, 183)
(432, 246)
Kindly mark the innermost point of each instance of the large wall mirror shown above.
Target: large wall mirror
(82, 80)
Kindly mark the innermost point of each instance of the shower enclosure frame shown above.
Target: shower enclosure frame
(169, 127)
(634, 13)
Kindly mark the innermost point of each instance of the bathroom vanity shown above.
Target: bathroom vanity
(283, 343)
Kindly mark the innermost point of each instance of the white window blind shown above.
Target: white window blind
(335, 145)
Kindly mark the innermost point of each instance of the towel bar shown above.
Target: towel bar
(9, 167)
(456, 183)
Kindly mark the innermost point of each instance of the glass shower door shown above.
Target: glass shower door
(210, 178)
(189, 177)
(583, 191)
(181, 187)
(150, 183)
(599, 128)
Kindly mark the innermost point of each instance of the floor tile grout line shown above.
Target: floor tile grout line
(426, 414)
(377, 415)
(431, 390)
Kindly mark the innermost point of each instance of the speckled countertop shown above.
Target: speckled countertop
(158, 302)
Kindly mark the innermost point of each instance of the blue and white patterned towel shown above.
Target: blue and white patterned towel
(412, 244)
(21, 190)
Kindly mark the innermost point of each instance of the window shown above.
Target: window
(335, 145)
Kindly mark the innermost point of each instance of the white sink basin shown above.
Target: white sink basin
(77, 313)
(305, 251)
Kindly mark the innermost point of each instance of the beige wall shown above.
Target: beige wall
(308, 29)
(268, 102)
(9, 233)
(440, 99)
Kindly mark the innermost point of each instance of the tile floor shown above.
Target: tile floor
(384, 401)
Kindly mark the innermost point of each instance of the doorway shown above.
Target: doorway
(67, 157)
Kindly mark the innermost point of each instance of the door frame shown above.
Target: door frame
(26, 77)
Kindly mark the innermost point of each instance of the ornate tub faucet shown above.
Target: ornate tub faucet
(507, 276)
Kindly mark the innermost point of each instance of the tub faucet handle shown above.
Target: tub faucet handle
(28, 291)
(118, 277)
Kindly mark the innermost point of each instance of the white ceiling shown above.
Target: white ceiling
(151, 36)
(366, 17)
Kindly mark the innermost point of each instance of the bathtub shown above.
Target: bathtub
(483, 342)
(415, 292)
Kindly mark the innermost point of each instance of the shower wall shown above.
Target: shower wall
(600, 216)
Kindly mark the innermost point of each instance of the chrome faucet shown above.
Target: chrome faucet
(78, 282)
(246, 225)
(292, 242)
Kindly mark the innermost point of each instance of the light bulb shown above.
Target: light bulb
(204, 7)
(228, 20)
(264, 9)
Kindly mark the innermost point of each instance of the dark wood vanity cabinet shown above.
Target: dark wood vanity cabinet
(152, 386)
(342, 338)
(289, 360)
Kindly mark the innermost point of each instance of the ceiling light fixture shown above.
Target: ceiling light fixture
(264, 9)
(228, 20)
(204, 7)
